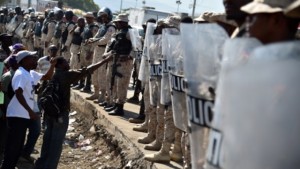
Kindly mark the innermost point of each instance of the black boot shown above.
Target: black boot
(141, 117)
(118, 111)
(110, 108)
(103, 104)
(79, 86)
(87, 85)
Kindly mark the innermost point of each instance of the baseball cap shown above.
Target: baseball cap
(23, 54)
(293, 10)
(17, 46)
(266, 6)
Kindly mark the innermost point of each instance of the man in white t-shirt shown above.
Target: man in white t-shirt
(20, 108)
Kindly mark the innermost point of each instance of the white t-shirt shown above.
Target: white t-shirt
(26, 81)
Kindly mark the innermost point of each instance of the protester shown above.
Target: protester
(57, 127)
(20, 108)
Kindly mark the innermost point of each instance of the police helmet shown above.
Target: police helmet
(30, 9)
(18, 9)
(107, 11)
(69, 14)
(51, 14)
(59, 13)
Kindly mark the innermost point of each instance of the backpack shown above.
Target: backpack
(50, 100)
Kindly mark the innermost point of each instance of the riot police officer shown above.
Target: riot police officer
(66, 37)
(59, 28)
(101, 39)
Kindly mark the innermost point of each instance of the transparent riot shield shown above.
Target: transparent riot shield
(175, 61)
(154, 54)
(261, 110)
(202, 48)
(20, 30)
(165, 83)
(144, 66)
(12, 25)
(236, 52)
(136, 42)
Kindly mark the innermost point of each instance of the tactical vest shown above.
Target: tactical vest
(45, 27)
(58, 32)
(88, 31)
(2, 19)
(38, 29)
(64, 35)
(103, 29)
(77, 39)
(122, 45)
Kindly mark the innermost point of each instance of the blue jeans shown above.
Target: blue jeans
(32, 137)
(52, 142)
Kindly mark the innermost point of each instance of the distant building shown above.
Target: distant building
(38, 5)
(139, 16)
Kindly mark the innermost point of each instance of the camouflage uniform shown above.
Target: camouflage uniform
(99, 76)
(48, 36)
(66, 41)
(151, 122)
(59, 29)
(75, 48)
(29, 35)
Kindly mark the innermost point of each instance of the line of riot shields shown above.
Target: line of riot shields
(236, 98)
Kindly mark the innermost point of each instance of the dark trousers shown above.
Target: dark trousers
(3, 133)
(32, 137)
(16, 133)
(52, 142)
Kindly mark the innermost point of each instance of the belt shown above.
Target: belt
(124, 59)
(102, 46)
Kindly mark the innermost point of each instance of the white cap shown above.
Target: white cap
(23, 54)
(266, 6)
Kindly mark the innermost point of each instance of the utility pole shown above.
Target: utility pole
(178, 2)
(194, 6)
(121, 6)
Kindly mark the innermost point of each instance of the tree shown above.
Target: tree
(85, 5)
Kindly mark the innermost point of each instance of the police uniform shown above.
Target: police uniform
(29, 33)
(37, 34)
(59, 29)
(66, 39)
(122, 63)
(48, 33)
(99, 76)
(75, 48)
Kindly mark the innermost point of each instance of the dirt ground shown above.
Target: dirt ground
(85, 147)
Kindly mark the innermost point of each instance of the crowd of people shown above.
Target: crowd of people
(208, 84)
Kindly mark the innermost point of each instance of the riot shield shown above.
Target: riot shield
(20, 30)
(144, 67)
(136, 43)
(135, 39)
(12, 25)
(165, 84)
(175, 64)
(201, 65)
(262, 131)
(236, 52)
(154, 48)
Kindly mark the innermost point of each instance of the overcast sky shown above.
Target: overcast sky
(166, 5)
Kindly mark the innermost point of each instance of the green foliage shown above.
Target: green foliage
(2, 2)
(85, 5)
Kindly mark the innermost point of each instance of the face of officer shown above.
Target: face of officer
(232, 8)
(104, 18)
(89, 20)
(121, 25)
(270, 28)
(81, 22)
(53, 52)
